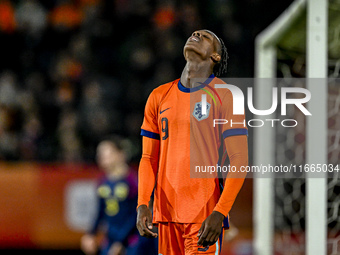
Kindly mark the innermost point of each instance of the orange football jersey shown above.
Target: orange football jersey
(188, 140)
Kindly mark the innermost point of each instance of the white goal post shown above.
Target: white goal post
(316, 145)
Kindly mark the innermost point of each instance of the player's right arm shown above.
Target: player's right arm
(148, 167)
(146, 181)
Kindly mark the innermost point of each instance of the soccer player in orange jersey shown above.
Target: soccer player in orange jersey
(177, 137)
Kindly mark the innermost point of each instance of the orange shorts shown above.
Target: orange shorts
(181, 239)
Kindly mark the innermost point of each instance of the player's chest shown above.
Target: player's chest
(182, 111)
(114, 196)
(119, 191)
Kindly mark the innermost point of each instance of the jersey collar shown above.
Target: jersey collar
(188, 90)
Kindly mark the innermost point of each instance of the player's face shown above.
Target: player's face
(108, 155)
(202, 42)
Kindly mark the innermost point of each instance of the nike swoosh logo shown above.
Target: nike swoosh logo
(164, 110)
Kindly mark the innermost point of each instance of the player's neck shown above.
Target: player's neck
(194, 70)
(119, 171)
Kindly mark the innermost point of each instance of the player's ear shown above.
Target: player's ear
(216, 57)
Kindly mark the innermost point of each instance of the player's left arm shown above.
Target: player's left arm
(237, 147)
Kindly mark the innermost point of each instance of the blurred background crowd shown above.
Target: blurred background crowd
(73, 71)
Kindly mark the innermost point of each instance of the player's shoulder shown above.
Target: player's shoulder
(163, 89)
(222, 91)
(159, 93)
(132, 177)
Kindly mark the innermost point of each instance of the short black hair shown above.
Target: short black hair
(221, 67)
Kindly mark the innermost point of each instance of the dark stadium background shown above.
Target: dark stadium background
(72, 72)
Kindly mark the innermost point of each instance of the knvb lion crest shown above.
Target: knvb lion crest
(197, 113)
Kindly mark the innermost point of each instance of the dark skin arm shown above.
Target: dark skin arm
(211, 229)
(144, 222)
(212, 226)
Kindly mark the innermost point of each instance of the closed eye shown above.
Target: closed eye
(207, 37)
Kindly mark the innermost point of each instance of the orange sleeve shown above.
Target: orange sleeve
(147, 171)
(237, 148)
(150, 121)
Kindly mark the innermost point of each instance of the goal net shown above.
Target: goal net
(290, 193)
(290, 146)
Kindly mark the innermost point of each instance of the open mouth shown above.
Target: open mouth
(194, 39)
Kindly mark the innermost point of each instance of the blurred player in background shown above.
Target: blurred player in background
(117, 194)
(190, 212)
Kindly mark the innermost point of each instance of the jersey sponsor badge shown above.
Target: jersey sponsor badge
(121, 191)
(112, 206)
(197, 113)
(104, 191)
